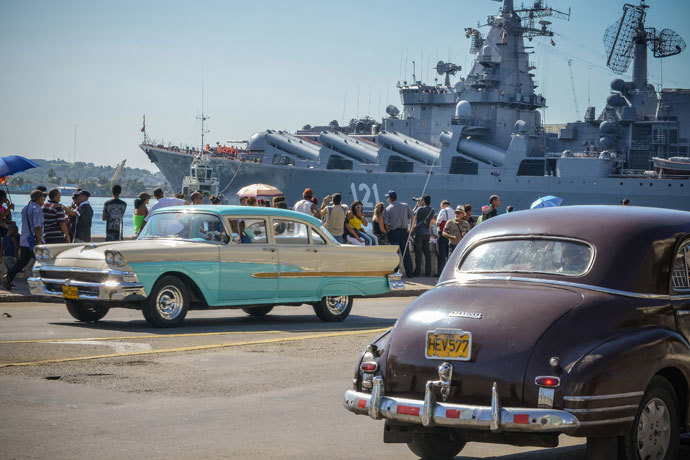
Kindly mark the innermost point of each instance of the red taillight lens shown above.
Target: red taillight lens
(548, 382)
(369, 366)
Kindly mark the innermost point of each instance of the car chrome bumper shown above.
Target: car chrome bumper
(429, 412)
(113, 288)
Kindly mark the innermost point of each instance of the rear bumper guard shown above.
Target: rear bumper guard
(429, 412)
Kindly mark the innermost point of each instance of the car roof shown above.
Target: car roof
(229, 210)
(633, 244)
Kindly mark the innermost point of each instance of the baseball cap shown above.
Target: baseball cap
(392, 194)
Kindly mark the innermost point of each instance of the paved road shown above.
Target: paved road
(222, 386)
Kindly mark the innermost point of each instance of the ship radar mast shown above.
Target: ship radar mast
(203, 117)
(628, 38)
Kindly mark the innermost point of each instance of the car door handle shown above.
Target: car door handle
(270, 249)
(683, 312)
(312, 250)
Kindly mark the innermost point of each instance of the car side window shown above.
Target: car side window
(206, 227)
(680, 278)
(250, 231)
(290, 232)
(316, 238)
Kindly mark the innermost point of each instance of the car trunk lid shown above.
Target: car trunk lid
(505, 321)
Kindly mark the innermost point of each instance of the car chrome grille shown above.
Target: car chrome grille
(88, 277)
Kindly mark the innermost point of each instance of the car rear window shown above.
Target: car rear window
(558, 257)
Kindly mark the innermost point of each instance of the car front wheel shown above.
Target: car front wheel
(168, 303)
(258, 311)
(434, 446)
(655, 431)
(88, 312)
(333, 308)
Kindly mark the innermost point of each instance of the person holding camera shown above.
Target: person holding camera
(424, 213)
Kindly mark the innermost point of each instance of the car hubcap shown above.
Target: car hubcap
(654, 430)
(169, 302)
(337, 305)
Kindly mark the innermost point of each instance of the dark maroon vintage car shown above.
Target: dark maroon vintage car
(570, 320)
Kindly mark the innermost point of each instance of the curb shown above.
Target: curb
(400, 293)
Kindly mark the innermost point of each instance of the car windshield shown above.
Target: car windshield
(550, 256)
(185, 225)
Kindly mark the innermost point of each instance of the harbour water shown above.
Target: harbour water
(97, 226)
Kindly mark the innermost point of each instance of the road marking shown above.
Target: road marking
(117, 347)
(199, 347)
(156, 336)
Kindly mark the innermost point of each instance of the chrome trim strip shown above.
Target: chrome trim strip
(600, 397)
(607, 421)
(82, 270)
(680, 297)
(601, 409)
(683, 312)
(637, 295)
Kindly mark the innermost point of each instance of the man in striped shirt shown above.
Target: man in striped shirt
(55, 229)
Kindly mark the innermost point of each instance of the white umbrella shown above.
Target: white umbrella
(257, 190)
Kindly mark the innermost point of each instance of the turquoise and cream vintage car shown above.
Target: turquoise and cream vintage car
(201, 257)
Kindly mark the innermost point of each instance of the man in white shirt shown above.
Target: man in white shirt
(306, 205)
(444, 215)
(163, 202)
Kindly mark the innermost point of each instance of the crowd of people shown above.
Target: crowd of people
(45, 220)
(396, 223)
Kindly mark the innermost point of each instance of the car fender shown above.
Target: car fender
(203, 274)
(616, 366)
(342, 286)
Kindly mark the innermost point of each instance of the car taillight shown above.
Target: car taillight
(547, 382)
(369, 366)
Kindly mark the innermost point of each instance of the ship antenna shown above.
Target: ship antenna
(203, 117)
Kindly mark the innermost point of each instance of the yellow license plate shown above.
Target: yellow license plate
(453, 344)
(70, 292)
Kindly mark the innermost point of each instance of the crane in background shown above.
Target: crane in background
(572, 84)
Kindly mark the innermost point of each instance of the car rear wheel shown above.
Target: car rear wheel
(168, 303)
(258, 311)
(88, 312)
(333, 308)
(655, 431)
(434, 446)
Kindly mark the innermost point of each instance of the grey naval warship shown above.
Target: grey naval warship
(483, 134)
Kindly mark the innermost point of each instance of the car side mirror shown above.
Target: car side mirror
(225, 238)
(235, 239)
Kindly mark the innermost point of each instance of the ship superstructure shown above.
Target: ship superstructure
(483, 134)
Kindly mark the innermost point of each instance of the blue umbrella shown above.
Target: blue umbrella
(13, 164)
(547, 202)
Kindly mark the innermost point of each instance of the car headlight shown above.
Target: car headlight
(41, 253)
(114, 258)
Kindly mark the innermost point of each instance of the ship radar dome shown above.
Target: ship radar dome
(520, 127)
(463, 109)
(615, 100)
(617, 84)
(607, 128)
(606, 143)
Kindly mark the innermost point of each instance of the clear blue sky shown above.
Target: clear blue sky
(267, 64)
